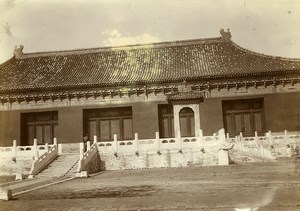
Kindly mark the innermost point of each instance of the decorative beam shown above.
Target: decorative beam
(209, 85)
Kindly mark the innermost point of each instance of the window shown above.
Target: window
(106, 122)
(245, 116)
(41, 126)
(166, 122)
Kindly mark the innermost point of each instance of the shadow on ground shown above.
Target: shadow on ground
(132, 191)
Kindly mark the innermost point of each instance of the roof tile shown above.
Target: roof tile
(157, 63)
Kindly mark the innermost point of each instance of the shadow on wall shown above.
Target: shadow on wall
(95, 164)
(102, 164)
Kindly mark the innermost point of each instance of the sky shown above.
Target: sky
(264, 26)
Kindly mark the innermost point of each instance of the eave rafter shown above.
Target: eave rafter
(207, 86)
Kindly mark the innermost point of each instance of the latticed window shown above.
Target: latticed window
(106, 122)
(41, 126)
(246, 116)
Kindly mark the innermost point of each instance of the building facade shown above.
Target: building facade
(174, 88)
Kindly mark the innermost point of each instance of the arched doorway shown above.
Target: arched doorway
(187, 122)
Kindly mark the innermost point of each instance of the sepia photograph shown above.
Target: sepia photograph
(139, 105)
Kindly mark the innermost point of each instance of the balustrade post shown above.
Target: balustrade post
(59, 146)
(286, 137)
(157, 141)
(242, 145)
(116, 143)
(35, 143)
(227, 135)
(256, 138)
(221, 133)
(241, 141)
(136, 141)
(262, 151)
(270, 139)
(47, 147)
(241, 135)
(214, 135)
(201, 139)
(14, 148)
(55, 141)
(37, 154)
(81, 150)
(88, 145)
(236, 142)
(95, 139)
(59, 149)
(179, 140)
(35, 150)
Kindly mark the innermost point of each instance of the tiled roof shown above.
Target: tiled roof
(193, 60)
(191, 95)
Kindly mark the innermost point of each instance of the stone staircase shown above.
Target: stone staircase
(62, 165)
(72, 171)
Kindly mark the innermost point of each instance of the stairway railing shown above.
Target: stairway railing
(42, 161)
(86, 157)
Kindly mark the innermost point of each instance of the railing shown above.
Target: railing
(86, 157)
(169, 143)
(267, 146)
(212, 140)
(140, 146)
(283, 139)
(263, 146)
(47, 157)
(23, 152)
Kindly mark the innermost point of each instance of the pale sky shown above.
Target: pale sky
(265, 26)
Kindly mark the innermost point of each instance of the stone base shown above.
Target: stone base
(5, 194)
(30, 176)
(82, 174)
(163, 159)
(19, 176)
(223, 158)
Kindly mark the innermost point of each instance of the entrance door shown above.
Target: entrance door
(187, 122)
(246, 116)
(166, 121)
(106, 122)
(41, 126)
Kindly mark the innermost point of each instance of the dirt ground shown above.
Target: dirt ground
(260, 186)
(5, 179)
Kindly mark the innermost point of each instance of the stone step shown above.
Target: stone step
(63, 165)
(72, 170)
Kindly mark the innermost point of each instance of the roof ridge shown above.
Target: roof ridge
(262, 54)
(124, 47)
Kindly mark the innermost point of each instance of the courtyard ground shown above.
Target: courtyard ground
(259, 186)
